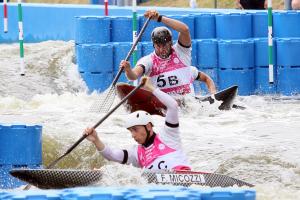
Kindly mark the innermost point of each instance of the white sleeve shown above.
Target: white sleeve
(195, 72)
(121, 156)
(172, 107)
(184, 53)
(146, 61)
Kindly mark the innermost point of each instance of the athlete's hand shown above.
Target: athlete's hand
(91, 134)
(148, 84)
(152, 13)
(125, 65)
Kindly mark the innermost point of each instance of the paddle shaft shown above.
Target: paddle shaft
(95, 126)
(132, 50)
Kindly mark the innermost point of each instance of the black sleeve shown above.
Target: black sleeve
(172, 125)
(198, 77)
(183, 45)
(125, 159)
(144, 68)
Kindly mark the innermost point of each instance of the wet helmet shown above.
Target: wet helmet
(138, 118)
(161, 35)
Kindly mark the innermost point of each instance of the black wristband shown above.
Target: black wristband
(159, 18)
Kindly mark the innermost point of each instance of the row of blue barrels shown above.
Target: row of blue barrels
(228, 62)
(136, 193)
(20, 146)
(97, 29)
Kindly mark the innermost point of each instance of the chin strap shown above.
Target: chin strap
(148, 135)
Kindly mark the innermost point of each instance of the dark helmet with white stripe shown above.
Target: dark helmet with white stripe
(161, 35)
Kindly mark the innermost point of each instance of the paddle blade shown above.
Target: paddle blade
(57, 178)
(104, 102)
(188, 178)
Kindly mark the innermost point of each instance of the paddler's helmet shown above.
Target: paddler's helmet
(138, 118)
(161, 35)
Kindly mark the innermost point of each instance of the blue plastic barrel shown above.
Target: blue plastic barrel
(288, 61)
(288, 80)
(92, 29)
(286, 24)
(121, 49)
(121, 29)
(237, 54)
(188, 20)
(207, 53)
(20, 146)
(262, 85)
(95, 57)
(288, 51)
(234, 26)
(194, 53)
(260, 24)
(97, 81)
(244, 78)
(146, 37)
(205, 26)
(147, 48)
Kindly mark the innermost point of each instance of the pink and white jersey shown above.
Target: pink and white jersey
(161, 156)
(173, 75)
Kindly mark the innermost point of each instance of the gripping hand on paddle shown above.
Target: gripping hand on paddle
(93, 137)
(125, 65)
(152, 13)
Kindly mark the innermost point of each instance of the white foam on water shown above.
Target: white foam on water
(259, 145)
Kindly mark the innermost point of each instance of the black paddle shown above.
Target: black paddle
(104, 104)
(52, 164)
(227, 95)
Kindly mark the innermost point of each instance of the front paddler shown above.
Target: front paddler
(154, 150)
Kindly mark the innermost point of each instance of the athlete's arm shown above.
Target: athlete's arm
(208, 81)
(184, 34)
(171, 104)
(112, 154)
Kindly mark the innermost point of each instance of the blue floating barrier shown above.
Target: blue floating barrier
(20, 144)
(237, 54)
(288, 52)
(94, 57)
(121, 49)
(286, 24)
(121, 193)
(228, 194)
(205, 26)
(207, 53)
(92, 29)
(234, 26)
(260, 24)
(244, 78)
(121, 29)
(165, 195)
(288, 80)
(97, 81)
(262, 85)
(147, 48)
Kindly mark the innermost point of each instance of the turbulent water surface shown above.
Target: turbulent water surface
(259, 145)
